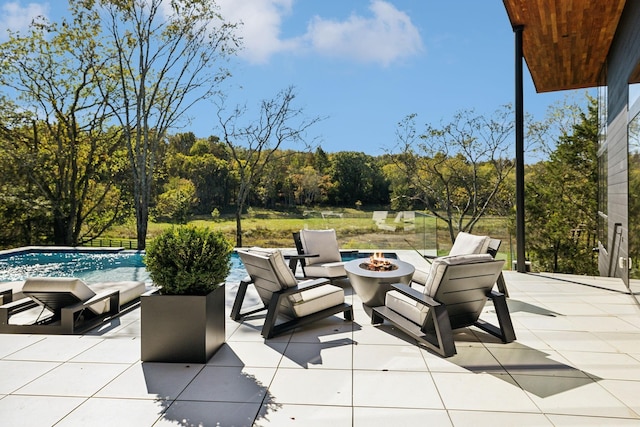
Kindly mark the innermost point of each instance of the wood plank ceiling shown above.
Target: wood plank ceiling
(565, 42)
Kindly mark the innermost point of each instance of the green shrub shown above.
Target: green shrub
(188, 260)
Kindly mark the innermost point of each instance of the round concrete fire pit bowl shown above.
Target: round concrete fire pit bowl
(372, 286)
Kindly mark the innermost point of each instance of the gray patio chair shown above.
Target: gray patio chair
(322, 257)
(455, 293)
(298, 303)
(467, 243)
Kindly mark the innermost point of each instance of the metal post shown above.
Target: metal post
(520, 244)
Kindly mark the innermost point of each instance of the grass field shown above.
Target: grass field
(356, 229)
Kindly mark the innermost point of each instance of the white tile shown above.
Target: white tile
(305, 415)
(35, 411)
(383, 334)
(575, 341)
(189, 413)
(386, 417)
(530, 361)
(615, 366)
(489, 392)
(73, 379)
(586, 421)
(388, 357)
(115, 350)
(55, 348)
(162, 381)
(249, 353)
(229, 384)
(337, 354)
(327, 329)
(493, 419)
(312, 387)
(572, 396)
(11, 343)
(395, 389)
(16, 374)
(622, 342)
(472, 357)
(625, 391)
(97, 412)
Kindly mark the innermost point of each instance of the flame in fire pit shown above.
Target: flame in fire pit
(377, 262)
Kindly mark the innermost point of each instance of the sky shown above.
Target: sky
(361, 65)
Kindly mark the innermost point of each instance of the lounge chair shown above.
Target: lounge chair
(286, 300)
(67, 305)
(466, 244)
(323, 254)
(380, 218)
(453, 297)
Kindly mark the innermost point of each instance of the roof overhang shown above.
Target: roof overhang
(565, 42)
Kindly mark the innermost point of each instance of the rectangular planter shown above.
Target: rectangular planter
(182, 328)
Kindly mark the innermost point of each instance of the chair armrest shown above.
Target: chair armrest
(415, 295)
(303, 286)
(18, 306)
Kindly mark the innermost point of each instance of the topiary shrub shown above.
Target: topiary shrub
(188, 260)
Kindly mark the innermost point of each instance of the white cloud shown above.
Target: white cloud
(15, 17)
(386, 36)
(260, 30)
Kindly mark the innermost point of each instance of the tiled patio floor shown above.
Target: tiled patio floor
(576, 362)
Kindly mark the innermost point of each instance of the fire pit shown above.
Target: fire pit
(377, 262)
(371, 279)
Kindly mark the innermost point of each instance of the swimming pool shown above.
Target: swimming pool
(91, 265)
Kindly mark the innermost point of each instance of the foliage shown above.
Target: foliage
(177, 201)
(55, 129)
(456, 170)
(188, 260)
(561, 202)
(166, 61)
(256, 144)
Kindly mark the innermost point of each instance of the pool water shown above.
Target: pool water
(91, 266)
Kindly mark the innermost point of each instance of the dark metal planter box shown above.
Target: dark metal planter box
(182, 328)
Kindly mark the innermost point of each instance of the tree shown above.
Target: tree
(457, 170)
(255, 144)
(57, 130)
(561, 203)
(357, 177)
(166, 56)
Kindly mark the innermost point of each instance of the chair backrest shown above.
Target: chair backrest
(463, 283)
(269, 273)
(494, 246)
(55, 293)
(467, 243)
(321, 242)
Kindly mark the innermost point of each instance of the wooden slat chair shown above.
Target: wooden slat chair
(455, 293)
(298, 303)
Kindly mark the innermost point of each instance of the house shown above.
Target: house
(595, 44)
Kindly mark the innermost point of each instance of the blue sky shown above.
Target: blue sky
(362, 64)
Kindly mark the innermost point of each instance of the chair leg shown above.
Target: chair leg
(237, 303)
(504, 318)
(272, 316)
(444, 334)
(502, 285)
(348, 314)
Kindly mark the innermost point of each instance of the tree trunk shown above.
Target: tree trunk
(239, 226)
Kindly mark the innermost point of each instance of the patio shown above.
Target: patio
(576, 361)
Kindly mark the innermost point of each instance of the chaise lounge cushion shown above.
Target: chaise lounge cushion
(417, 312)
(129, 291)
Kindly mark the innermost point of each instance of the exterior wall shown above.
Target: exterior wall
(622, 59)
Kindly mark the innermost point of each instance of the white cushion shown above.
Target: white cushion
(324, 243)
(328, 269)
(316, 299)
(72, 285)
(129, 291)
(466, 243)
(404, 305)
